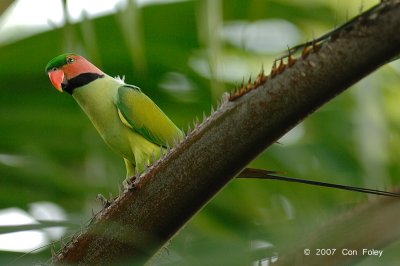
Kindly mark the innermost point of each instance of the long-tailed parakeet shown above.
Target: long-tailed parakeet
(127, 120)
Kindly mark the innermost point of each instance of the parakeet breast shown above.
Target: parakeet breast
(97, 99)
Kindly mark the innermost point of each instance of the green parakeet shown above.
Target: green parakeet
(127, 120)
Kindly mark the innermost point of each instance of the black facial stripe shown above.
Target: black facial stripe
(80, 81)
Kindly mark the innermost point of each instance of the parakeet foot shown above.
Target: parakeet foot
(129, 183)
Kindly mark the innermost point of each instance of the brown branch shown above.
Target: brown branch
(139, 222)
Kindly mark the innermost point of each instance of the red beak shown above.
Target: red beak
(56, 78)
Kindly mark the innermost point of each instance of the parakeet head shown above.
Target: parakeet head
(70, 71)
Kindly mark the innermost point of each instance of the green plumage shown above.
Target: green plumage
(128, 121)
(57, 62)
(143, 116)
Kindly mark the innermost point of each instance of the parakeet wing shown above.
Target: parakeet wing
(141, 114)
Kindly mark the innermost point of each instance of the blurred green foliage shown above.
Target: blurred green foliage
(49, 151)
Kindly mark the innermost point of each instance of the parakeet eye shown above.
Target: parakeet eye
(54, 69)
(70, 60)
